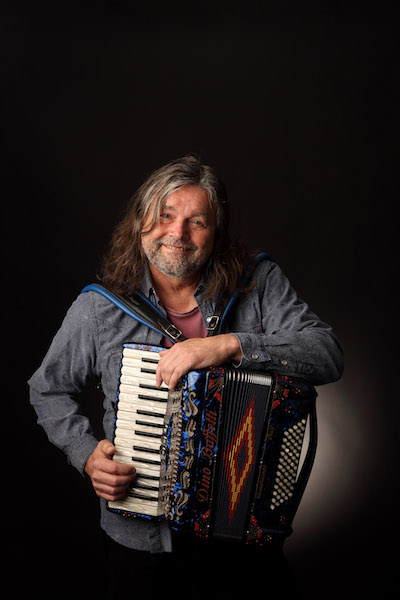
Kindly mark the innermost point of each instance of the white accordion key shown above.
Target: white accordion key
(137, 459)
(144, 355)
(149, 433)
(137, 391)
(138, 506)
(139, 412)
(134, 441)
(138, 380)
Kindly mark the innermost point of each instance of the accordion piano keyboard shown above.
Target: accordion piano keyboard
(139, 427)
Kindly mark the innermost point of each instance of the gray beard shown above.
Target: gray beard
(179, 266)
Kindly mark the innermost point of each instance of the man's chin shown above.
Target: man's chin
(177, 272)
(178, 268)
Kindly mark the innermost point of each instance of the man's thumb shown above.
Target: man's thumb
(108, 448)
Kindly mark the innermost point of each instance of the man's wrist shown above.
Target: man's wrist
(235, 349)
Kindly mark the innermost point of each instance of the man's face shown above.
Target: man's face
(182, 240)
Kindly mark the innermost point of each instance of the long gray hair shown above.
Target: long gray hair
(123, 264)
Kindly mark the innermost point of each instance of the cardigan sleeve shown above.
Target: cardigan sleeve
(55, 387)
(279, 333)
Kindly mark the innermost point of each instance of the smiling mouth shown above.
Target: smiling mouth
(177, 248)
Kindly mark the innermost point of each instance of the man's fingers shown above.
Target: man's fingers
(102, 460)
(170, 375)
(110, 492)
(172, 366)
(114, 467)
(113, 478)
(174, 377)
(110, 479)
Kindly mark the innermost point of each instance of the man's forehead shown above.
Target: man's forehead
(196, 210)
(190, 197)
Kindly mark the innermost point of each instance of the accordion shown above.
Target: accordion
(220, 456)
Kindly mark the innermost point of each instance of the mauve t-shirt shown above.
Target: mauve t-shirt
(190, 323)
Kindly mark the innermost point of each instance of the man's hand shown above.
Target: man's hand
(196, 353)
(110, 479)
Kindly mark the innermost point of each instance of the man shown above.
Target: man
(174, 246)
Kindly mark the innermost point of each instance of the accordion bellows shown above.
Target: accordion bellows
(221, 455)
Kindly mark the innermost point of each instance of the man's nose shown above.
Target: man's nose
(179, 229)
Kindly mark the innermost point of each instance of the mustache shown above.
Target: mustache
(169, 241)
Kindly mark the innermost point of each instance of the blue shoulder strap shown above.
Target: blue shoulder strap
(140, 308)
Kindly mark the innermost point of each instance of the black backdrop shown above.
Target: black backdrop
(294, 104)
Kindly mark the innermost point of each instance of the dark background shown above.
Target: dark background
(294, 104)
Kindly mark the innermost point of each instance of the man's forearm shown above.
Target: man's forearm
(196, 353)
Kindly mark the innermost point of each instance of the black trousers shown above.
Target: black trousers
(199, 570)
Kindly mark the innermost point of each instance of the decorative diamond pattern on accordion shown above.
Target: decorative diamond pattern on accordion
(220, 455)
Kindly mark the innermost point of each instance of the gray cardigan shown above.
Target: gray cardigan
(277, 332)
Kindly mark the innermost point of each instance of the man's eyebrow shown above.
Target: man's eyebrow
(197, 213)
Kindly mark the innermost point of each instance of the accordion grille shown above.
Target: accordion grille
(245, 411)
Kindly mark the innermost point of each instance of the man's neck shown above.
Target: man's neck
(174, 293)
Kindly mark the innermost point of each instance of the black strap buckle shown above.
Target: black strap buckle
(173, 332)
(212, 322)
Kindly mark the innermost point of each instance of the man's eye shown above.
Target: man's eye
(198, 223)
